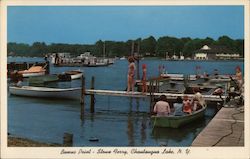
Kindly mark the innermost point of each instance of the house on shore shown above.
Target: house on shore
(215, 52)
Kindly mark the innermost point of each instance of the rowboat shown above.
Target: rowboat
(43, 79)
(45, 92)
(33, 71)
(75, 74)
(177, 121)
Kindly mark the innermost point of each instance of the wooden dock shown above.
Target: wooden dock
(225, 129)
(144, 95)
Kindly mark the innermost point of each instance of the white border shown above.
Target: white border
(196, 152)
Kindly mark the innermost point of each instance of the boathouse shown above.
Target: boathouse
(215, 52)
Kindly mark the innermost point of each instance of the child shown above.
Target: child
(131, 74)
(144, 78)
(187, 107)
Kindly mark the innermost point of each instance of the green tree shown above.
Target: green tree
(170, 45)
(191, 46)
(228, 42)
(39, 49)
(148, 45)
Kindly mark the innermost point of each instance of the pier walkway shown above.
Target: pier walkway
(141, 95)
(225, 129)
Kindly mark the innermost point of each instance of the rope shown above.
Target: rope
(154, 123)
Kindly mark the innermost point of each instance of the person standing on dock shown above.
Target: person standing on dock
(144, 78)
(162, 107)
(131, 74)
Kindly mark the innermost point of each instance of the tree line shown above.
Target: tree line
(148, 46)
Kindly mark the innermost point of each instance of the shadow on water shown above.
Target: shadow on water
(178, 134)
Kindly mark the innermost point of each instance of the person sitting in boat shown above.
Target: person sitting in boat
(218, 91)
(198, 101)
(187, 105)
(178, 106)
(162, 107)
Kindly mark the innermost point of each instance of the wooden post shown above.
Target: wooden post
(25, 65)
(156, 85)
(47, 67)
(150, 92)
(67, 139)
(138, 61)
(92, 96)
(82, 97)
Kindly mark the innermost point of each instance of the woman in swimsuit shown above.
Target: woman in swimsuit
(131, 74)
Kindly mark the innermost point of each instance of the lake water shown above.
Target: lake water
(117, 121)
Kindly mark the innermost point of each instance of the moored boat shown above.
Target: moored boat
(45, 92)
(43, 79)
(177, 121)
(75, 74)
(33, 71)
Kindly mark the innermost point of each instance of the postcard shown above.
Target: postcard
(124, 79)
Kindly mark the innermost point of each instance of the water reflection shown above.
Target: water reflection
(130, 125)
(143, 129)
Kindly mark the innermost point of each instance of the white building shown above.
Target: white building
(202, 54)
(215, 52)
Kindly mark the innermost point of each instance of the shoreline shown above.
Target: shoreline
(24, 142)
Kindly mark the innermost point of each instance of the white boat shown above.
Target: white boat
(33, 71)
(123, 58)
(45, 92)
(75, 74)
(33, 74)
(97, 64)
(177, 77)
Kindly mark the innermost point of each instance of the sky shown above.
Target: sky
(88, 24)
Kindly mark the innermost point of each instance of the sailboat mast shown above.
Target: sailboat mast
(132, 48)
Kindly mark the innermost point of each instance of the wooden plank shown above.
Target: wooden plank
(143, 95)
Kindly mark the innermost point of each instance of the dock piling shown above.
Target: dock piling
(92, 96)
(47, 67)
(82, 100)
(151, 96)
(67, 139)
